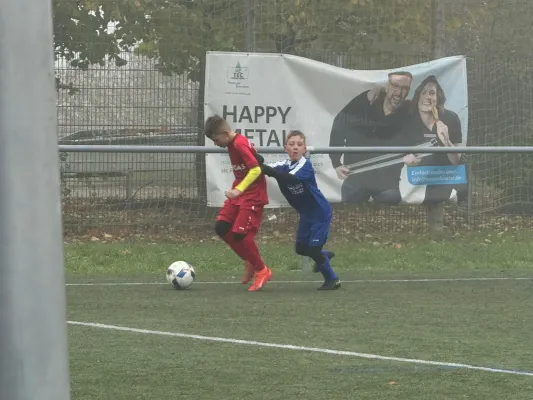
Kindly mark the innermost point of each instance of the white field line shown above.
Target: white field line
(302, 348)
(429, 280)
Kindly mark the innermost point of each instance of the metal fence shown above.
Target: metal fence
(141, 82)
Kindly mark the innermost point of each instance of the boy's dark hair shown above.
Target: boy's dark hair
(403, 73)
(295, 133)
(215, 125)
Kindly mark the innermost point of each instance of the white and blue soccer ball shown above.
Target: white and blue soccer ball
(181, 275)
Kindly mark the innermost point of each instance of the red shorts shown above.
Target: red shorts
(244, 218)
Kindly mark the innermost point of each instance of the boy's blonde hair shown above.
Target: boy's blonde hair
(295, 133)
(215, 125)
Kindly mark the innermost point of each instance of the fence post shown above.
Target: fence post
(249, 32)
(129, 187)
(199, 159)
(469, 215)
(33, 326)
(435, 218)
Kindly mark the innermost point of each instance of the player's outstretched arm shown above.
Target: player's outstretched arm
(260, 159)
(268, 170)
(282, 177)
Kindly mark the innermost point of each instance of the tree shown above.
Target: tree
(179, 32)
(82, 33)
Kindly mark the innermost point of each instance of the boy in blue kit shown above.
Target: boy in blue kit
(296, 180)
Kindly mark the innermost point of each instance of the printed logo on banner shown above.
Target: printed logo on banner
(238, 77)
(237, 72)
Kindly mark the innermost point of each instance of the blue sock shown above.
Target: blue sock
(326, 270)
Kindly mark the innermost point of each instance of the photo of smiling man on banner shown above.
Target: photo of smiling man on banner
(370, 121)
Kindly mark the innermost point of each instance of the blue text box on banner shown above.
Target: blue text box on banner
(437, 175)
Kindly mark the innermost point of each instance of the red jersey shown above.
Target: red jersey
(242, 157)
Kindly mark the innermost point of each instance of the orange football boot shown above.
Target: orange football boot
(261, 278)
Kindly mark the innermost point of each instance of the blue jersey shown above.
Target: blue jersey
(301, 190)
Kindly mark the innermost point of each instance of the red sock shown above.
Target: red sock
(235, 245)
(252, 252)
(246, 249)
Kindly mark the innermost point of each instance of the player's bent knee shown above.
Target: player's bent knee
(239, 236)
(301, 249)
(222, 228)
(316, 254)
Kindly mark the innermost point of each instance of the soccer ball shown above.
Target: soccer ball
(180, 274)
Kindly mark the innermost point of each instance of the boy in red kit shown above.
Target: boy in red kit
(240, 217)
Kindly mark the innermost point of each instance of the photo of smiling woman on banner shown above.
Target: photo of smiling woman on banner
(432, 178)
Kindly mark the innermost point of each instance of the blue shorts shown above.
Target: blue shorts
(313, 233)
